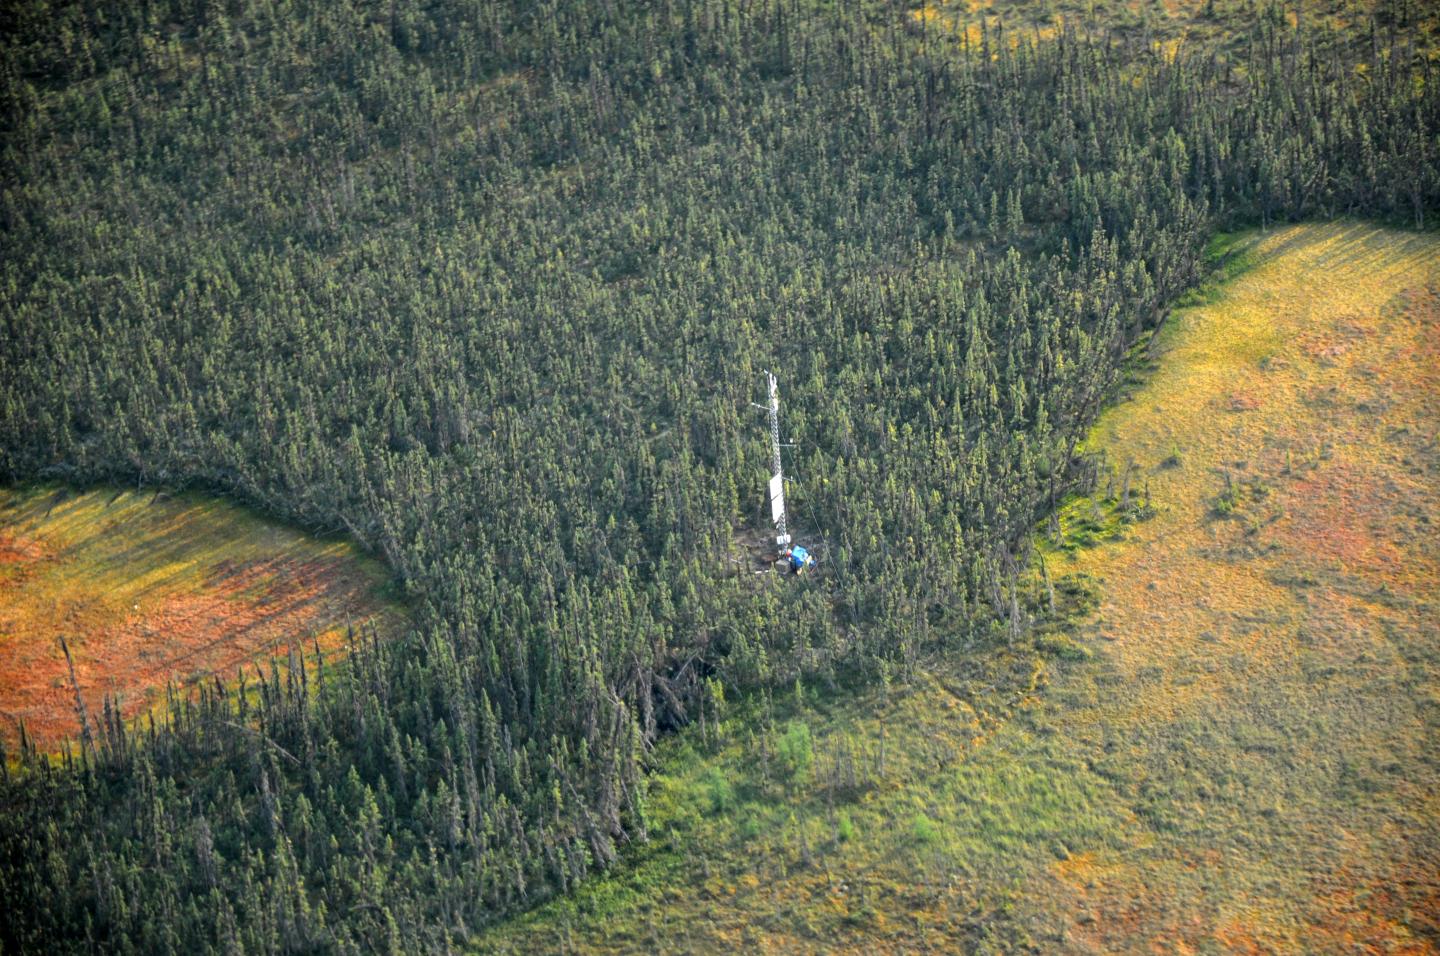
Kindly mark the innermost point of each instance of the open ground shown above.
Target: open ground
(150, 590)
(1219, 27)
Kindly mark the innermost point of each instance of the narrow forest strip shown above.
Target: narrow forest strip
(1223, 736)
(150, 590)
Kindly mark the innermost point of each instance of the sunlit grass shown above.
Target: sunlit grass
(1166, 28)
(1274, 623)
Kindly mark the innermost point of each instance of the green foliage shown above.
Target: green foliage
(1085, 522)
(924, 831)
(1233, 496)
(794, 752)
(718, 790)
(1062, 646)
(489, 286)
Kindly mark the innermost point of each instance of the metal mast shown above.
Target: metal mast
(777, 477)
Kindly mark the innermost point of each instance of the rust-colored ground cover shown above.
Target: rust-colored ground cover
(1273, 662)
(153, 590)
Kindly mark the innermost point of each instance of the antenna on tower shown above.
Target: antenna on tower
(798, 558)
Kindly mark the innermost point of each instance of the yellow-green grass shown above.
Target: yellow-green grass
(1167, 26)
(152, 589)
(1271, 638)
(1226, 737)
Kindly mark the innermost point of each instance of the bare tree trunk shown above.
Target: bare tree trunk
(1049, 586)
(87, 744)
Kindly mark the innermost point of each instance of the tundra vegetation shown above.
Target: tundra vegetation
(150, 591)
(488, 287)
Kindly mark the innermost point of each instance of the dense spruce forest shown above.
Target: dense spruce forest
(490, 286)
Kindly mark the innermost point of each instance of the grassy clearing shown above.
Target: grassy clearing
(906, 824)
(1224, 737)
(1164, 27)
(1270, 634)
(150, 590)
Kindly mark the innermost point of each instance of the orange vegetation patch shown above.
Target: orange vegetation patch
(1242, 402)
(150, 592)
(1358, 913)
(20, 550)
(1349, 531)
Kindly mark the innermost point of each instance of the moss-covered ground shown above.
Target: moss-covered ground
(150, 590)
(1226, 735)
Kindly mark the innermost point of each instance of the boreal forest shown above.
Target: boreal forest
(489, 288)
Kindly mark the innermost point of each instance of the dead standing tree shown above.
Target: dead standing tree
(87, 744)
